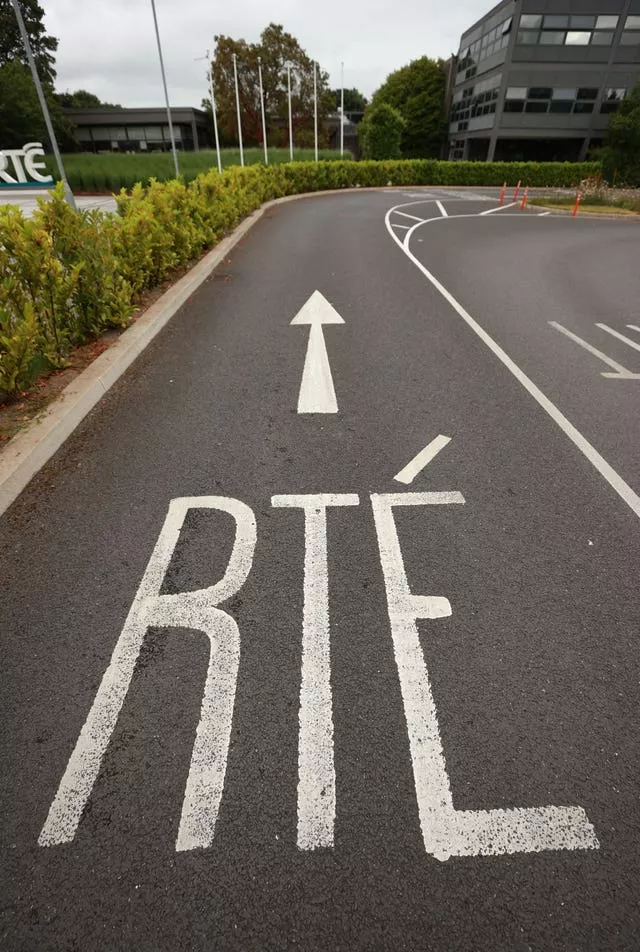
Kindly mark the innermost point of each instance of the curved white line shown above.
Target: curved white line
(615, 481)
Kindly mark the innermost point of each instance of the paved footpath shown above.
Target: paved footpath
(321, 631)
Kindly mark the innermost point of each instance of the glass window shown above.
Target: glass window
(609, 106)
(630, 39)
(583, 107)
(582, 23)
(552, 38)
(561, 105)
(564, 93)
(530, 21)
(540, 92)
(606, 23)
(602, 38)
(527, 37)
(177, 132)
(632, 23)
(587, 92)
(555, 23)
(153, 133)
(615, 94)
(506, 26)
(537, 107)
(514, 105)
(135, 132)
(516, 92)
(577, 38)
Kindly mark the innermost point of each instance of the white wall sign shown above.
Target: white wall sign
(21, 166)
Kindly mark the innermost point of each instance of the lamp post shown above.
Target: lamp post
(235, 76)
(264, 124)
(315, 108)
(68, 194)
(290, 117)
(166, 93)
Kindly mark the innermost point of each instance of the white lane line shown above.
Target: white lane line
(422, 459)
(620, 372)
(617, 483)
(401, 226)
(500, 208)
(543, 214)
(316, 770)
(633, 327)
(625, 340)
(412, 217)
(443, 210)
(317, 393)
(192, 610)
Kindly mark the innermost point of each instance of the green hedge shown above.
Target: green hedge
(66, 276)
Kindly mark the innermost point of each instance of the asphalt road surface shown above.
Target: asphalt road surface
(324, 635)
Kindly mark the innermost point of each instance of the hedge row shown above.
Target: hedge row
(66, 276)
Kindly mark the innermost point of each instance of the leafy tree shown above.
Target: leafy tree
(417, 91)
(43, 46)
(622, 154)
(381, 132)
(276, 48)
(354, 101)
(21, 118)
(81, 99)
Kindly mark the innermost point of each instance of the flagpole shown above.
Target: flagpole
(342, 112)
(235, 74)
(166, 93)
(290, 119)
(215, 119)
(264, 124)
(315, 108)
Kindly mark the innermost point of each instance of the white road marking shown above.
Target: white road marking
(622, 488)
(401, 226)
(192, 610)
(621, 372)
(316, 771)
(317, 393)
(443, 210)
(413, 217)
(543, 214)
(446, 831)
(500, 208)
(422, 459)
(625, 340)
(632, 327)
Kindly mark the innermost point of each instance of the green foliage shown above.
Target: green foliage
(381, 132)
(65, 276)
(42, 45)
(621, 157)
(417, 91)
(354, 101)
(275, 49)
(21, 118)
(82, 99)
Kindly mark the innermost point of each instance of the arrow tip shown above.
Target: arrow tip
(317, 310)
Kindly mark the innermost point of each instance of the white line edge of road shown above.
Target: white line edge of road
(28, 452)
(617, 483)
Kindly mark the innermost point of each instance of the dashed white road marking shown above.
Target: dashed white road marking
(500, 208)
(446, 831)
(614, 333)
(443, 210)
(404, 227)
(617, 483)
(412, 217)
(316, 771)
(633, 327)
(621, 373)
(422, 459)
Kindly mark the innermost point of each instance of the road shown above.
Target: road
(271, 682)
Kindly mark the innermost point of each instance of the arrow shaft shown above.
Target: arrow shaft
(317, 394)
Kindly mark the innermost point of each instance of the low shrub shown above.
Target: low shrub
(66, 276)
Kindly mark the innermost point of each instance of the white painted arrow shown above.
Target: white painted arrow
(317, 394)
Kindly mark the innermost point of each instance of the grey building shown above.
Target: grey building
(139, 130)
(538, 79)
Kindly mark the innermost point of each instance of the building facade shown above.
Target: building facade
(139, 130)
(538, 79)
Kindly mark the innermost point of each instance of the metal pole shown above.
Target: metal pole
(215, 119)
(235, 74)
(315, 108)
(68, 194)
(290, 119)
(264, 124)
(166, 93)
(342, 111)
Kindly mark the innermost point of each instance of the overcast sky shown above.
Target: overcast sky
(108, 46)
